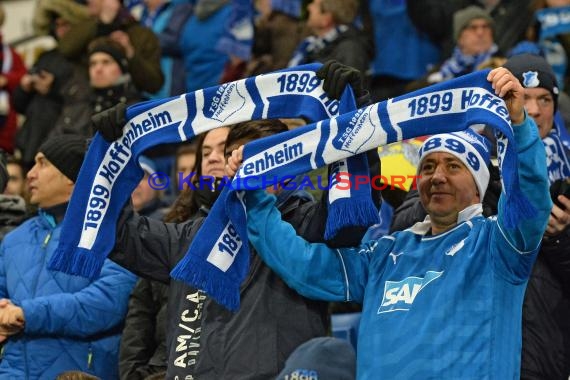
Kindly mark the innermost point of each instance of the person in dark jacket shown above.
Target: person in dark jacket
(546, 308)
(12, 207)
(143, 344)
(433, 17)
(53, 85)
(53, 322)
(277, 34)
(204, 339)
(333, 36)
(473, 34)
(112, 19)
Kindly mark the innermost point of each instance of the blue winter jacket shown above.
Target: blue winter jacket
(72, 323)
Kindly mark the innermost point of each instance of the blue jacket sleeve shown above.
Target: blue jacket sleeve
(94, 309)
(313, 270)
(524, 239)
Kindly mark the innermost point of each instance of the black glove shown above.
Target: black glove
(336, 76)
(110, 122)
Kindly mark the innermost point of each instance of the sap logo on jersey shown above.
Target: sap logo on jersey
(400, 295)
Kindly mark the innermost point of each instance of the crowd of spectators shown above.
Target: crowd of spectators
(110, 52)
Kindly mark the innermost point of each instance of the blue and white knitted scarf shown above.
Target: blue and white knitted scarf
(111, 172)
(313, 44)
(556, 160)
(218, 258)
(459, 64)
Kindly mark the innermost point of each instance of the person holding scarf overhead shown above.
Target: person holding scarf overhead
(204, 340)
(443, 298)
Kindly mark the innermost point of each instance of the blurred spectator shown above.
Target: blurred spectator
(145, 198)
(321, 358)
(551, 31)
(237, 40)
(203, 62)
(277, 34)
(16, 178)
(185, 164)
(473, 34)
(11, 71)
(166, 19)
(334, 37)
(434, 17)
(143, 344)
(55, 90)
(402, 53)
(12, 207)
(109, 84)
(110, 18)
(109, 76)
(46, 10)
(54, 322)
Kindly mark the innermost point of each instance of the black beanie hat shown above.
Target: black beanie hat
(114, 49)
(66, 153)
(534, 71)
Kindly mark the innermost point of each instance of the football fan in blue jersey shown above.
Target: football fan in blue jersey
(442, 299)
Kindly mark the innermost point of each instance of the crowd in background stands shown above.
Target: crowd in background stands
(113, 51)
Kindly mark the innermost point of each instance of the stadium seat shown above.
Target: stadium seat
(345, 326)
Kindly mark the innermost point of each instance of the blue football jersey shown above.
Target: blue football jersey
(444, 306)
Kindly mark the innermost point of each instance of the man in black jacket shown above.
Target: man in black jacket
(205, 340)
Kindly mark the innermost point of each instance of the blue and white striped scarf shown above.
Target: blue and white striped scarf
(313, 44)
(218, 258)
(111, 171)
(556, 160)
(459, 64)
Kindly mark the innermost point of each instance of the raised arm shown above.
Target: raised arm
(523, 238)
(313, 270)
(149, 247)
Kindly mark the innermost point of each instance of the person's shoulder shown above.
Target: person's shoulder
(22, 232)
(138, 30)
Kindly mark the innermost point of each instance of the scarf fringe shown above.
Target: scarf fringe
(82, 262)
(521, 208)
(217, 284)
(353, 212)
